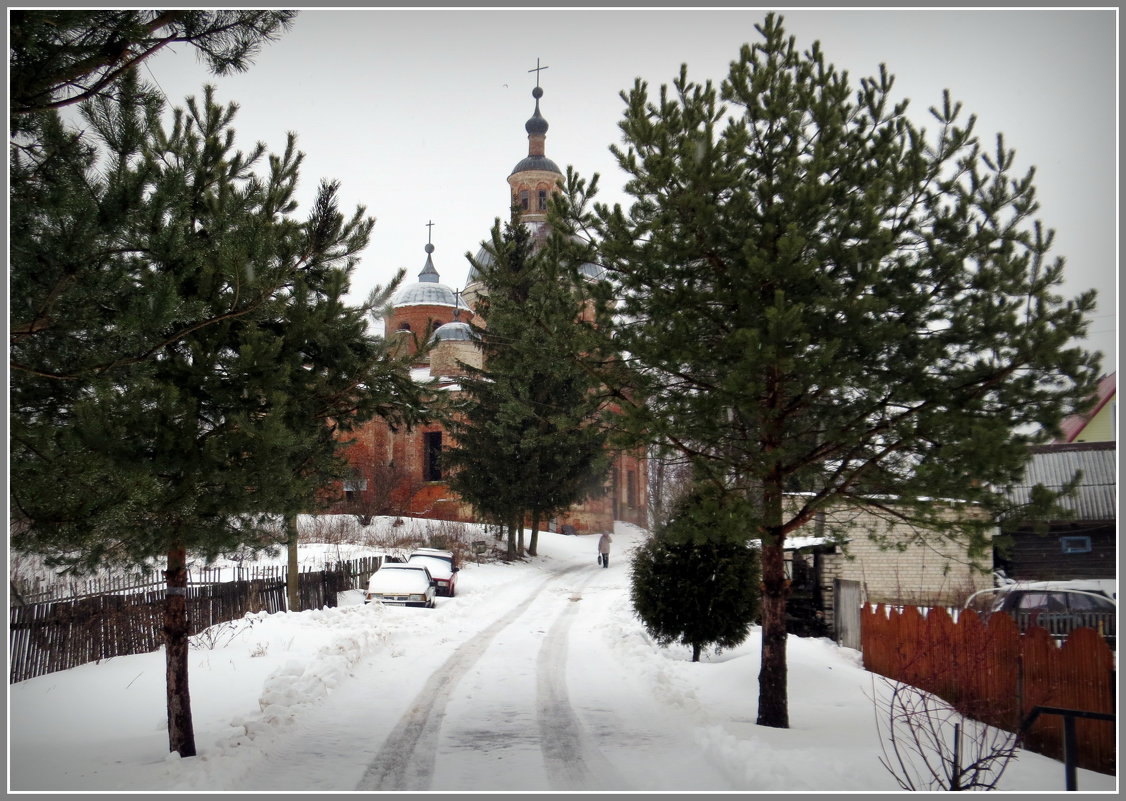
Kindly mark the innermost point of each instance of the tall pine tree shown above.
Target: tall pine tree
(185, 396)
(818, 295)
(529, 439)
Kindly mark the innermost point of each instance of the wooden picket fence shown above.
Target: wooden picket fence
(993, 673)
(58, 635)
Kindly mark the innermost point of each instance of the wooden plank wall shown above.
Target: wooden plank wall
(994, 674)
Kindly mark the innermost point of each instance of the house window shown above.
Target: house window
(1075, 544)
(543, 200)
(432, 456)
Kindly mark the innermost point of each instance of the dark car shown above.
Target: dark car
(1060, 607)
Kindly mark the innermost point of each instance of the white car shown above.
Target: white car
(1058, 606)
(442, 567)
(401, 584)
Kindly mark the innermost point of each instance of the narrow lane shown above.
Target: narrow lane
(408, 759)
(572, 759)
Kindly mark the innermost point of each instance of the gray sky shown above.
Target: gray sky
(420, 113)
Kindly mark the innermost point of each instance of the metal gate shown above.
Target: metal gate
(846, 613)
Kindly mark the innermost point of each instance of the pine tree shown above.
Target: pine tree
(187, 396)
(818, 295)
(61, 57)
(696, 581)
(528, 438)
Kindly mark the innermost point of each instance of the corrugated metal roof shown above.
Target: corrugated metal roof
(1054, 465)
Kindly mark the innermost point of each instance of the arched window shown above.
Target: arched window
(404, 326)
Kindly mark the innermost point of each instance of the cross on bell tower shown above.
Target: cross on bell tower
(537, 70)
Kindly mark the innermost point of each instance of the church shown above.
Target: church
(400, 472)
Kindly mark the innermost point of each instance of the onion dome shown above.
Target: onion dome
(428, 291)
(536, 126)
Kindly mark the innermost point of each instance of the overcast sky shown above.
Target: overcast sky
(420, 113)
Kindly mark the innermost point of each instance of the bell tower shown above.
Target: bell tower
(533, 179)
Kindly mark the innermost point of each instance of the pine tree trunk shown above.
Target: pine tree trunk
(695, 653)
(292, 575)
(511, 541)
(533, 541)
(772, 702)
(181, 734)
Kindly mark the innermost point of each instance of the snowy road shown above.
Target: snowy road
(530, 700)
(460, 733)
(549, 730)
(536, 677)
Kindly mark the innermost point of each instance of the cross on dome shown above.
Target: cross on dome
(537, 70)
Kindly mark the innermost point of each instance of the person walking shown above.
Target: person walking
(604, 549)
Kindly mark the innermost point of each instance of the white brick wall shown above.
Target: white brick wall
(921, 570)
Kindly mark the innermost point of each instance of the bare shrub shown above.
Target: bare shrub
(928, 745)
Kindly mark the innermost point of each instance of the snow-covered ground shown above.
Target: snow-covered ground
(536, 677)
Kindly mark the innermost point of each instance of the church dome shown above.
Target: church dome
(428, 291)
(425, 294)
(529, 163)
(536, 124)
(539, 230)
(453, 332)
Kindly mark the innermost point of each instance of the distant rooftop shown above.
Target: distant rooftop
(1054, 465)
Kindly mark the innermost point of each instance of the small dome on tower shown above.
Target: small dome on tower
(453, 332)
(536, 124)
(429, 290)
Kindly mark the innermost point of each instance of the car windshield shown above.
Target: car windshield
(399, 579)
(438, 566)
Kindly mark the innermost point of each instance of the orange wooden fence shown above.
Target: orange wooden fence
(994, 674)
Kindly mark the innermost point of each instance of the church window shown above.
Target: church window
(404, 326)
(432, 456)
(543, 200)
(631, 489)
(353, 486)
(524, 199)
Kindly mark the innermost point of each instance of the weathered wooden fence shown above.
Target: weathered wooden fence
(58, 635)
(992, 673)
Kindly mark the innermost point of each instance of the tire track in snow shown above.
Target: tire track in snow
(571, 760)
(406, 761)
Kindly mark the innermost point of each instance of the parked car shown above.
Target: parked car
(442, 565)
(402, 584)
(1060, 607)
